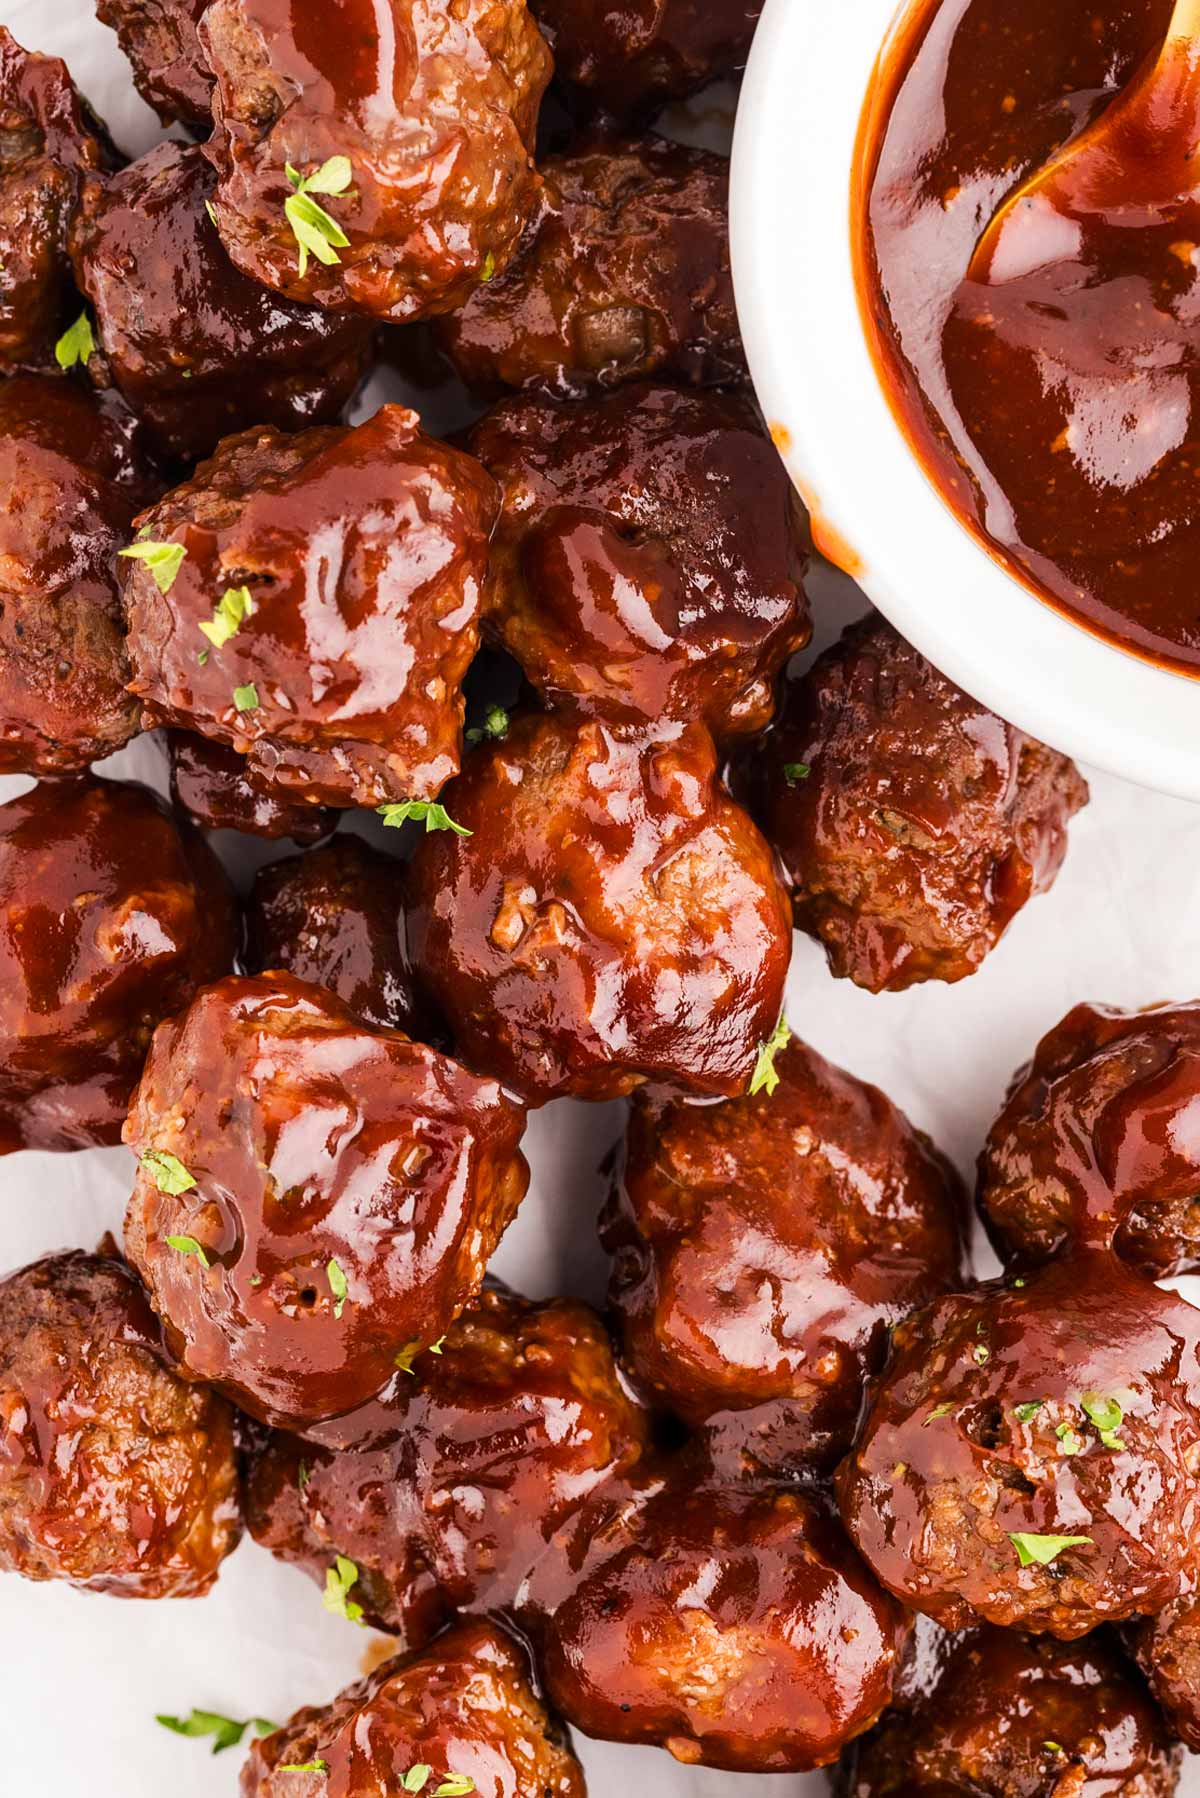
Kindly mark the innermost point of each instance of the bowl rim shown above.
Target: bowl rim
(876, 512)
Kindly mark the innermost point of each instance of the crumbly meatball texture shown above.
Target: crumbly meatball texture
(1011, 1716)
(465, 1706)
(169, 66)
(196, 348)
(1168, 1650)
(355, 560)
(1097, 1142)
(630, 56)
(764, 1248)
(210, 783)
(435, 109)
(623, 274)
(342, 1191)
(649, 561)
(115, 1474)
(913, 823)
(1030, 1456)
(612, 918)
(112, 917)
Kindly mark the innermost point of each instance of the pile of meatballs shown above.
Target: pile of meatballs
(807, 1494)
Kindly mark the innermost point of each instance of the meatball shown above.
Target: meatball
(336, 917)
(169, 66)
(197, 348)
(612, 918)
(1030, 1456)
(71, 480)
(632, 56)
(1168, 1648)
(913, 823)
(49, 139)
(1008, 1716)
(374, 155)
(447, 1490)
(765, 1247)
(336, 579)
(112, 918)
(211, 784)
(464, 1710)
(649, 559)
(312, 1194)
(624, 273)
(1097, 1141)
(115, 1474)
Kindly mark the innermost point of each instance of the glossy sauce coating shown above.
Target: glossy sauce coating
(613, 917)
(630, 56)
(623, 274)
(649, 561)
(169, 66)
(947, 1469)
(1168, 1651)
(1055, 403)
(1099, 1142)
(115, 1474)
(436, 108)
(764, 1248)
(363, 552)
(198, 349)
(210, 783)
(912, 822)
(466, 1705)
(312, 1140)
(112, 917)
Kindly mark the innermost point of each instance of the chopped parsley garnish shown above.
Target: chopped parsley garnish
(164, 560)
(765, 1078)
(1107, 1416)
(489, 267)
(495, 725)
(246, 698)
(302, 1475)
(406, 1357)
(795, 771)
(426, 811)
(981, 1353)
(211, 210)
(312, 227)
(435, 1348)
(226, 1732)
(1054, 1748)
(187, 1245)
(337, 1286)
(1041, 1550)
(234, 606)
(304, 1767)
(1072, 1441)
(1029, 1410)
(938, 1411)
(167, 1172)
(338, 1580)
(454, 1785)
(77, 343)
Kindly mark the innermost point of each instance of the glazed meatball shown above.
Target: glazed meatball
(169, 66)
(765, 1247)
(325, 609)
(49, 139)
(612, 918)
(913, 823)
(71, 480)
(112, 918)
(1008, 1716)
(632, 56)
(464, 1709)
(624, 273)
(1030, 1456)
(211, 784)
(649, 559)
(447, 1490)
(1168, 1648)
(197, 348)
(1097, 1141)
(404, 126)
(312, 1194)
(336, 917)
(115, 1474)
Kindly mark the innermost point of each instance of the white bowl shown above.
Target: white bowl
(876, 513)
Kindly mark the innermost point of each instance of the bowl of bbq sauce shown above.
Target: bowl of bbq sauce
(1005, 451)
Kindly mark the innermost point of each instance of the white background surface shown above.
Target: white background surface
(82, 1676)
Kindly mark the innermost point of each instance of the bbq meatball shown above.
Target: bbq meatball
(1168, 1649)
(1030, 1457)
(211, 784)
(71, 480)
(1097, 1141)
(765, 1247)
(169, 66)
(49, 139)
(649, 559)
(336, 917)
(624, 273)
(612, 917)
(913, 823)
(115, 1474)
(465, 1710)
(197, 348)
(336, 578)
(1008, 1716)
(112, 918)
(396, 134)
(312, 1194)
(446, 1491)
(632, 56)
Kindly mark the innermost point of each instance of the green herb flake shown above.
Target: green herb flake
(435, 1348)
(211, 210)
(421, 811)
(233, 608)
(1040, 1551)
(338, 1580)
(1107, 1415)
(417, 1778)
(304, 1767)
(489, 267)
(1072, 1441)
(981, 1354)
(494, 726)
(793, 772)
(938, 1411)
(1020, 1281)
(455, 1785)
(1054, 1748)
(337, 1286)
(316, 233)
(406, 1357)
(765, 1078)
(246, 698)
(226, 1732)
(167, 1172)
(1029, 1410)
(164, 560)
(187, 1245)
(302, 1475)
(77, 343)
